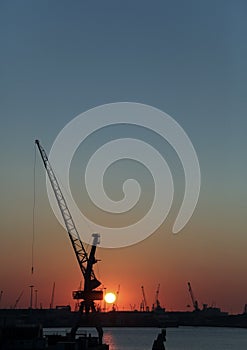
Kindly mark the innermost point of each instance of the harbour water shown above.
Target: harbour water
(182, 338)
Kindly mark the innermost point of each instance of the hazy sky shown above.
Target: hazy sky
(187, 58)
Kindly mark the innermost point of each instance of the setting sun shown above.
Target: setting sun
(110, 298)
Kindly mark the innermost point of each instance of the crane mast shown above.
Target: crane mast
(85, 262)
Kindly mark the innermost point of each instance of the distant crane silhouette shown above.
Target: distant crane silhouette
(114, 306)
(194, 301)
(52, 296)
(156, 305)
(18, 299)
(1, 294)
(144, 306)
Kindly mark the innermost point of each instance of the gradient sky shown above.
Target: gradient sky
(188, 58)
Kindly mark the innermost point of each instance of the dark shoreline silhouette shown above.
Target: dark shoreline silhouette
(65, 318)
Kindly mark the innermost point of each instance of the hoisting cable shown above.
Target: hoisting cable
(34, 206)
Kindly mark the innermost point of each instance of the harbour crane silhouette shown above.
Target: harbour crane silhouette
(88, 295)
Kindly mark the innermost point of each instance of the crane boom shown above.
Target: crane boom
(18, 299)
(86, 263)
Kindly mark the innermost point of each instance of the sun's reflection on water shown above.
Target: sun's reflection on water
(109, 339)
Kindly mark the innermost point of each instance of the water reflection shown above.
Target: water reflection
(110, 340)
